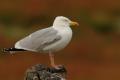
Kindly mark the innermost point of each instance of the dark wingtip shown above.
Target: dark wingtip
(10, 50)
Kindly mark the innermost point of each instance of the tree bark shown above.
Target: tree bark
(42, 72)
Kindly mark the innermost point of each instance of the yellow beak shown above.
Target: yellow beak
(72, 23)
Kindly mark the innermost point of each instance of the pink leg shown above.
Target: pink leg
(51, 55)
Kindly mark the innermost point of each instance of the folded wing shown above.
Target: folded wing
(38, 40)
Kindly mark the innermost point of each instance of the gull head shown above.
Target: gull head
(62, 21)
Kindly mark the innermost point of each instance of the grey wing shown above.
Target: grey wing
(38, 40)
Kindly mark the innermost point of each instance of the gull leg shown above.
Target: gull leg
(52, 61)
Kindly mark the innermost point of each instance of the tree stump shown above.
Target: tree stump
(42, 72)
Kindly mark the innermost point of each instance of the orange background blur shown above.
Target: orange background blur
(94, 52)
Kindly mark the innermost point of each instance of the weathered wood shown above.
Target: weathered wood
(42, 72)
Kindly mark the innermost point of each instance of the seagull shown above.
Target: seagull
(48, 40)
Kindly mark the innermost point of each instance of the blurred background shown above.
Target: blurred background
(94, 52)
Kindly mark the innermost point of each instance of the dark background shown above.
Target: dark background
(94, 52)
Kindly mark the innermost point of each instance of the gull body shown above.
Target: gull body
(49, 40)
(60, 37)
